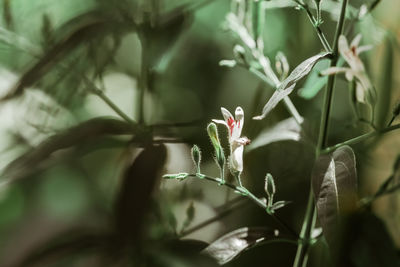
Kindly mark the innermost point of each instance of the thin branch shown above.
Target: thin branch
(244, 192)
(310, 217)
(227, 209)
(361, 138)
(316, 26)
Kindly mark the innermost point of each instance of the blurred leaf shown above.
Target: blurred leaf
(190, 212)
(63, 194)
(66, 245)
(258, 19)
(288, 85)
(229, 246)
(133, 200)
(12, 204)
(285, 130)
(71, 35)
(158, 39)
(385, 86)
(365, 242)
(334, 182)
(332, 7)
(89, 130)
(7, 14)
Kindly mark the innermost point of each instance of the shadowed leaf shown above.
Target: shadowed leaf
(133, 200)
(334, 181)
(232, 244)
(365, 242)
(83, 28)
(30, 162)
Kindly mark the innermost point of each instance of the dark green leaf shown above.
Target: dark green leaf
(289, 83)
(232, 244)
(364, 242)
(385, 86)
(133, 199)
(334, 182)
(74, 33)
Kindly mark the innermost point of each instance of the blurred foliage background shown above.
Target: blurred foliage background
(60, 58)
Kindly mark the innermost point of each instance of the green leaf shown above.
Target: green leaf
(286, 130)
(334, 182)
(270, 188)
(231, 245)
(289, 83)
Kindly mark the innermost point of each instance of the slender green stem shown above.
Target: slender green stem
(316, 26)
(361, 138)
(108, 101)
(226, 209)
(143, 80)
(244, 192)
(310, 216)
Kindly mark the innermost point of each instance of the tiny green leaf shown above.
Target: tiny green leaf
(179, 176)
(196, 157)
(270, 188)
(228, 63)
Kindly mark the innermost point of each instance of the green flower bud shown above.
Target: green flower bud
(270, 188)
(196, 157)
(219, 152)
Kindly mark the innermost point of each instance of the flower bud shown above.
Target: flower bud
(219, 152)
(196, 157)
(270, 188)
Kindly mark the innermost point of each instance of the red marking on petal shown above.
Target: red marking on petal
(231, 124)
(354, 50)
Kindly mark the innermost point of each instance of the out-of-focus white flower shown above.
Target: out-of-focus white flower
(365, 92)
(236, 142)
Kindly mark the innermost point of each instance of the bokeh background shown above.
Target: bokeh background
(75, 187)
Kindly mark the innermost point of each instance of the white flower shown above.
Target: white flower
(365, 92)
(236, 143)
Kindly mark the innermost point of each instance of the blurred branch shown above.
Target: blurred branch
(374, 5)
